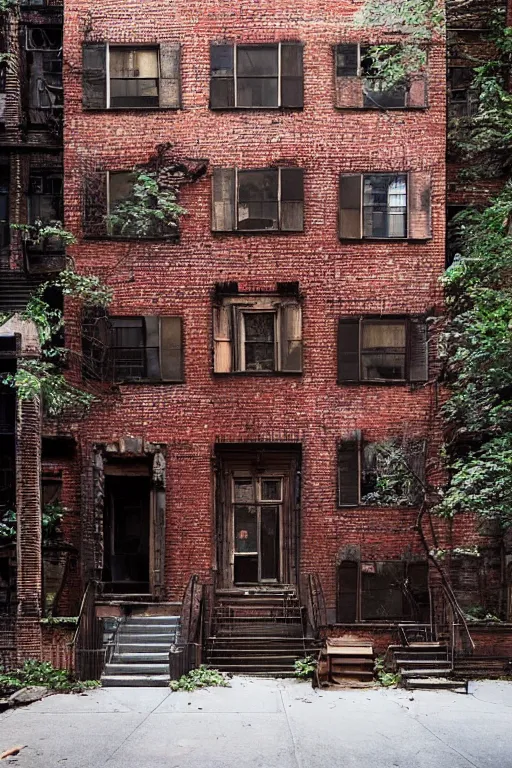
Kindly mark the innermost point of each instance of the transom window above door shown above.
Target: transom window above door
(265, 76)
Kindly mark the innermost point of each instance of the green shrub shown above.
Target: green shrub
(385, 678)
(305, 668)
(35, 672)
(202, 677)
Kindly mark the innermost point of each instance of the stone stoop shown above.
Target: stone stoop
(141, 652)
(427, 666)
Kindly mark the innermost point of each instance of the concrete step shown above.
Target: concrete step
(427, 672)
(153, 619)
(135, 681)
(256, 671)
(136, 669)
(256, 660)
(256, 652)
(435, 684)
(140, 658)
(151, 638)
(143, 647)
(412, 663)
(148, 629)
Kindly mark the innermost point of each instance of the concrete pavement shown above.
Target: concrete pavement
(265, 724)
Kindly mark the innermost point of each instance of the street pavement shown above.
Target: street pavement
(264, 724)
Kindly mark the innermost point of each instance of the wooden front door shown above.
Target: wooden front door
(257, 526)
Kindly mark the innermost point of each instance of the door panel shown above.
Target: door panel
(270, 554)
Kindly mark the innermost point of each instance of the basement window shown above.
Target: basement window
(134, 77)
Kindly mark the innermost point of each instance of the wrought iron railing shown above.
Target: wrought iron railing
(448, 622)
(186, 653)
(88, 639)
(313, 600)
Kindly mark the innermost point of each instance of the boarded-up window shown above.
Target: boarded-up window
(348, 592)
(270, 199)
(382, 349)
(140, 348)
(257, 335)
(122, 77)
(359, 87)
(256, 76)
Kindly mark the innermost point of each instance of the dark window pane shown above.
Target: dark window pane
(375, 95)
(269, 538)
(221, 60)
(222, 93)
(291, 60)
(128, 348)
(259, 326)
(257, 185)
(346, 60)
(257, 216)
(383, 590)
(246, 529)
(244, 491)
(257, 61)
(134, 93)
(347, 592)
(383, 351)
(257, 92)
(271, 490)
(246, 569)
(385, 205)
(259, 341)
(292, 184)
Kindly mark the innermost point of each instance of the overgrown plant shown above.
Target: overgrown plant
(383, 676)
(305, 668)
(51, 518)
(202, 677)
(150, 210)
(393, 478)
(45, 674)
(418, 21)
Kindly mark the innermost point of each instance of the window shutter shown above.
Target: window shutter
(348, 349)
(222, 76)
(417, 91)
(348, 572)
(171, 348)
(348, 470)
(292, 75)
(152, 344)
(419, 206)
(350, 216)
(223, 200)
(95, 205)
(169, 87)
(222, 339)
(94, 76)
(418, 349)
(292, 200)
(291, 337)
(349, 85)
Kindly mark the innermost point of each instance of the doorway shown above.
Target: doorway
(127, 533)
(257, 516)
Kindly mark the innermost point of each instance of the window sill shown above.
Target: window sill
(382, 109)
(380, 383)
(385, 239)
(378, 507)
(272, 110)
(146, 382)
(118, 239)
(258, 374)
(245, 232)
(132, 109)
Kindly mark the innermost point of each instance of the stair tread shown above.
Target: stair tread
(426, 671)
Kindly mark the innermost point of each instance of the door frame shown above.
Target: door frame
(244, 460)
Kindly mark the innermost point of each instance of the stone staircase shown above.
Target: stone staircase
(257, 632)
(426, 665)
(140, 651)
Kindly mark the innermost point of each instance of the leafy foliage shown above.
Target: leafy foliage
(51, 519)
(484, 139)
(39, 232)
(43, 673)
(418, 20)
(394, 481)
(384, 677)
(8, 526)
(7, 5)
(202, 677)
(479, 613)
(151, 210)
(305, 668)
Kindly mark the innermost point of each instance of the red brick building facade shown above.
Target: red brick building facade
(258, 356)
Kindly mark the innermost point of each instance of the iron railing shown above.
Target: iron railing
(448, 621)
(185, 654)
(313, 600)
(88, 639)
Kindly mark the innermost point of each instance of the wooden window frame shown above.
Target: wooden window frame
(279, 228)
(145, 379)
(129, 47)
(235, 78)
(362, 320)
(241, 305)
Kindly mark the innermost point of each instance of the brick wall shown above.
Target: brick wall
(335, 278)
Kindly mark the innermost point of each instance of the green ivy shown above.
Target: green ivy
(51, 519)
(45, 674)
(305, 668)
(151, 210)
(202, 677)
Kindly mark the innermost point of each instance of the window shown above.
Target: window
(45, 204)
(256, 76)
(135, 77)
(390, 349)
(257, 335)
(357, 86)
(44, 60)
(391, 590)
(257, 513)
(462, 97)
(363, 465)
(385, 206)
(262, 200)
(133, 348)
